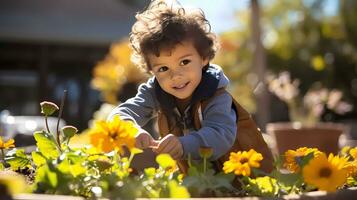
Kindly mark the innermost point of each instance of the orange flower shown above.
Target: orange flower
(291, 157)
(205, 152)
(241, 162)
(8, 144)
(113, 135)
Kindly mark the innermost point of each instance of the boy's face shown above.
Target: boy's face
(179, 70)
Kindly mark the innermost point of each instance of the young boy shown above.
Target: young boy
(175, 45)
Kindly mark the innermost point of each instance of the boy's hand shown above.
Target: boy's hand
(170, 144)
(144, 140)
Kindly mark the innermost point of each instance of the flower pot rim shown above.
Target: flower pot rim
(297, 125)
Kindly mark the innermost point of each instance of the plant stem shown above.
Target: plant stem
(131, 157)
(59, 118)
(204, 165)
(46, 121)
(189, 160)
(2, 155)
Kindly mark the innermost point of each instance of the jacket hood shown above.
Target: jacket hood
(212, 79)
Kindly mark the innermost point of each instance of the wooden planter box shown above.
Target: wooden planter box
(345, 194)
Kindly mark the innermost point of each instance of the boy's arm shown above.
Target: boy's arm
(138, 109)
(218, 129)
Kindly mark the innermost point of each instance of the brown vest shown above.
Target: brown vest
(248, 135)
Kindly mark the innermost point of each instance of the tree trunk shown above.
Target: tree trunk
(259, 67)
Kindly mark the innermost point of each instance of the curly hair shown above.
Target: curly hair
(161, 26)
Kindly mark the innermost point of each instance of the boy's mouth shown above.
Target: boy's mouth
(181, 86)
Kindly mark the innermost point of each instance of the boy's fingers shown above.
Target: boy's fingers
(178, 152)
(143, 141)
(168, 148)
(162, 144)
(138, 143)
(154, 143)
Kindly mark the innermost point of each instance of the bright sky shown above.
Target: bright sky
(221, 13)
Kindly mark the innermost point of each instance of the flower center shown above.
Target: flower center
(243, 160)
(113, 135)
(325, 172)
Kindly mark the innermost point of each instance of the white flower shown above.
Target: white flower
(309, 108)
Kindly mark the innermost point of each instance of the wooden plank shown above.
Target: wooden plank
(45, 197)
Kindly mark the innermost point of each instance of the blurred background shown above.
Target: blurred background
(81, 46)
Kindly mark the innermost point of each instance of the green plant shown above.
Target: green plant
(100, 169)
(88, 171)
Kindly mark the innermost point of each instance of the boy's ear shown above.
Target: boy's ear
(205, 61)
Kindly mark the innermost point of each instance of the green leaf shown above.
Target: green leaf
(64, 167)
(263, 186)
(48, 108)
(289, 181)
(228, 177)
(46, 177)
(177, 191)
(351, 181)
(150, 172)
(17, 159)
(69, 132)
(77, 170)
(1, 166)
(193, 171)
(304, 160)
(46, 144)
(191, 181)
(38, 158)
(135, 151)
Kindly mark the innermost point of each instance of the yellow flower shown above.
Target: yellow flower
(344, 151)
(116, 69)
(121, 52)
(7, 144)
(178, 191)
(292, 156)
(180, 178)
(241, 162)
(353, 153)
(351, 168)
(108, 78)
(325, 173)
(318, 63)
(13, 182)
(113, 135)
(167, 163)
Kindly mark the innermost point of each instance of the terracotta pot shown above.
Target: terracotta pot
(323, 136)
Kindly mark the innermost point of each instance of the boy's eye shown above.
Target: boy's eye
(162, 69)
(185, 62)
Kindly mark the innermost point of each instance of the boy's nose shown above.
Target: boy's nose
(175, 74)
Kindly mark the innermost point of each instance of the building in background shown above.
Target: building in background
(49, 46)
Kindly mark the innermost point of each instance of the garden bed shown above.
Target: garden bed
(344, 194)
(103, 171)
